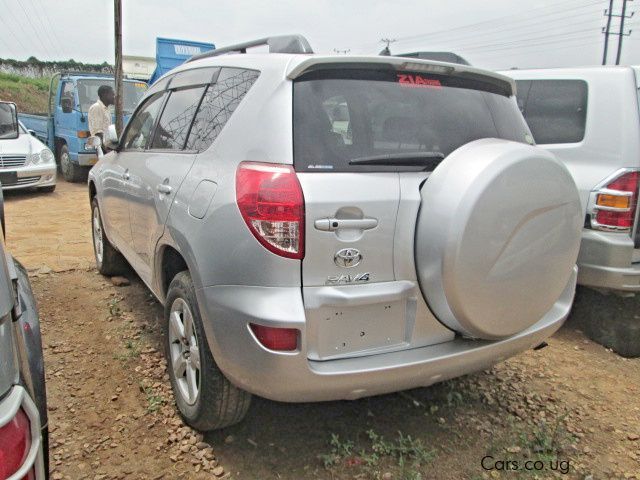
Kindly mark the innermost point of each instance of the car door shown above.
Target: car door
(156, 176)
(115, 173)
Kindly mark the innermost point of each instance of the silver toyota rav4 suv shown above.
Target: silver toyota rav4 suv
(333, 227)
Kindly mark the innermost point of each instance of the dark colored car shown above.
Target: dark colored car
(23, 404)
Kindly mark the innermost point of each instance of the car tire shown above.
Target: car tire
(108, 260)
(71, 171)
(610, 320)
(214, 402)
(49, 189)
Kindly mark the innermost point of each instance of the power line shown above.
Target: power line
(10, 30)
(491, 23)
(525, 39)
(37, 32)
(49, 32)
(515, 25)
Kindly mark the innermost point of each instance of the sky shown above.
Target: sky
(493, 34)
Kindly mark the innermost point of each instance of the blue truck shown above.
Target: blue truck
(65, 127)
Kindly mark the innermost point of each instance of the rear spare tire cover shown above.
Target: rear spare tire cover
(497, 237)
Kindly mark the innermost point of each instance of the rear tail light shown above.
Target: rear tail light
(15, 442)
(613, 204)
(280, 339)
(271, 202)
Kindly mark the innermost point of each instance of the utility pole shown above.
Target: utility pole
(117, 17)
(621, 35)
(606, 31)
(386, 51)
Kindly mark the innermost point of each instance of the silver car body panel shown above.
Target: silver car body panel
(238, 281)
(611, 142)
(292, 377)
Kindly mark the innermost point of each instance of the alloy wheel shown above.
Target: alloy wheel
(184, 351)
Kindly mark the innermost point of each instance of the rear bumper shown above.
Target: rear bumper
(291, 377)
(16, 399)
(606, 261)
(33, 176)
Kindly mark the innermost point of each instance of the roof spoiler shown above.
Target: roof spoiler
(278, 44)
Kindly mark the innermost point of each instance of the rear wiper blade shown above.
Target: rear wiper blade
(414, 159)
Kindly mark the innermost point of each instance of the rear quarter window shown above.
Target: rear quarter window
(556, 110)
(220, 101)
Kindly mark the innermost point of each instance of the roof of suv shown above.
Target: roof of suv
(291, 66)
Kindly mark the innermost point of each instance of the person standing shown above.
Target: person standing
(99, 115)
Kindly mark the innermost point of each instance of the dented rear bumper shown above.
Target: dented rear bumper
(292, 377)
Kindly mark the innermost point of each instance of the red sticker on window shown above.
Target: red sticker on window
(418, 81)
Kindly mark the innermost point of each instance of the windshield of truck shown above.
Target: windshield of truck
(352, 115)
(132, 93)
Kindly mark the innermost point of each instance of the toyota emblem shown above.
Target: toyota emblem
(347, 257)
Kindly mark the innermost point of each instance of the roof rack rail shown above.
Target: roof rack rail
(278, 44)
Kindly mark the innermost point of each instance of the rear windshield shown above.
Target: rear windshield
(347, 115)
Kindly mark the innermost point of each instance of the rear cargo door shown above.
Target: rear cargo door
(366, 138)
(350, 224)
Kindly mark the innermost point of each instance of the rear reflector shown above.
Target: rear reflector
(15, 442)
(280, 339)
(271, 203)
(615, 203)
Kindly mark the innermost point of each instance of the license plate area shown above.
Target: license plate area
(335, 332)
(8, 178)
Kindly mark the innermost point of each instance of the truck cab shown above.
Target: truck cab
(65, 127)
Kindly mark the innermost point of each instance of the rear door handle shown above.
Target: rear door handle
(126, 175)
(333, 224)
(164, 188)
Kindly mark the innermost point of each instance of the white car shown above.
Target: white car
(26, 162)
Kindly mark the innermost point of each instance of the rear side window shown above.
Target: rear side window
(173, 127)
(556, 110)
(218, 104)
(346, 115)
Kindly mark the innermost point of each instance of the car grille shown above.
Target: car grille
(12, 161)
(24, 181)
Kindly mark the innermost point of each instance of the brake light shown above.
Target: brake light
(15, 442)
(271, 203)
(615, 203)
(281, 339)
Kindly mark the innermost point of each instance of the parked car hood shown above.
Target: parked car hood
(23, 145)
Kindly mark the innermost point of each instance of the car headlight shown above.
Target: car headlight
(34, 158)
(43, 156)
(46, 156)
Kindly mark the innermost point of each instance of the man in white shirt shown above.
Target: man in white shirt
(99, 115)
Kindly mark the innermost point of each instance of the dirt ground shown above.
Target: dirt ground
(572, 407)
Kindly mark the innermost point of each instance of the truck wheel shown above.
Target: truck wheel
(205, 398)
(610, 320)
(71, 171)
(108, 260)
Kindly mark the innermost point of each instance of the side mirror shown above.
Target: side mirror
(8, 121)
(67, 105)
(111, 139)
